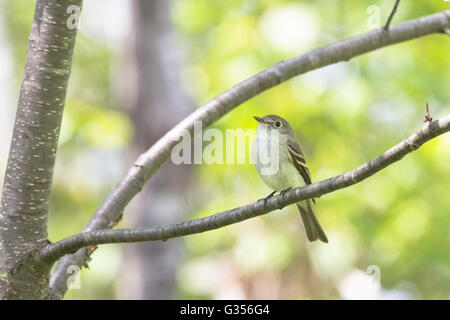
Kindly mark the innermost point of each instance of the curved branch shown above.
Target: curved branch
(315, 190)
(148, 163)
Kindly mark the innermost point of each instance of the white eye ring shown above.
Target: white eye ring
(277, 124)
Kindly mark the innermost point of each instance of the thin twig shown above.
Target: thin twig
(388, 22)
(428, 118)
(263, 206)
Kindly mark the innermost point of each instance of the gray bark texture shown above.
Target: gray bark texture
(28, 178)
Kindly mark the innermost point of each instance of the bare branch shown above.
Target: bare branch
(391, 15)
(149, 162)
(263, 206)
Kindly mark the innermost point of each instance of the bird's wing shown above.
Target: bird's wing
(297, 158)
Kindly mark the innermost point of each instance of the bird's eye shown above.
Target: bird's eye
(278, 124)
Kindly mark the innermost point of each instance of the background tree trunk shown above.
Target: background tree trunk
(158, 103)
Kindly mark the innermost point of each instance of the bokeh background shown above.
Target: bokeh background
(141, 66)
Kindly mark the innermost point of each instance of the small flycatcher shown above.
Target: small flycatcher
(280, 162)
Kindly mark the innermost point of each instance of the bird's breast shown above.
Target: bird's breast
(274, 166)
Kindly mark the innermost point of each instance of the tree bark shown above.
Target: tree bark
(28, 178)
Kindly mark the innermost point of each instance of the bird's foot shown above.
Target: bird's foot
(268, 197)
(284, 191)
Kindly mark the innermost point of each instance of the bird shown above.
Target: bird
(280, 162)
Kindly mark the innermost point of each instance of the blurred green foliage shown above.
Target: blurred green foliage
(344, 115)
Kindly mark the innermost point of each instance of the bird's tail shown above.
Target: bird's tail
(312, 226)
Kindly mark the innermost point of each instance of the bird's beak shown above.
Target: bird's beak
(260, 120)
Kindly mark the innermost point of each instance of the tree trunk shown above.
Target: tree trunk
(28, 178)
(160, 102)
